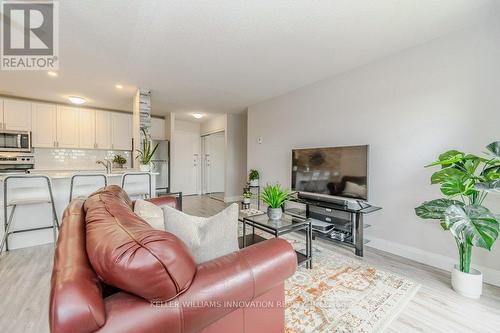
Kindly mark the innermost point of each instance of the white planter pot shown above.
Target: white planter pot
(467, 284)
(145, 167)
(274, 213)
(246, 200)
(254, 182)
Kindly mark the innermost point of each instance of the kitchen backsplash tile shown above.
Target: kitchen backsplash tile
(75, 159)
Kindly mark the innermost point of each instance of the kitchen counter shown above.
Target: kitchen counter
(32, 216)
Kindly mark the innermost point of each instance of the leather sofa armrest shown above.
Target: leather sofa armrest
(220, 286)
(172, 200)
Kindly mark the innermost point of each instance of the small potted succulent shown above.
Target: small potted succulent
(146, 153)
(465, 181)
(119, 161)
(253, 177)
(275, 197)
(247, 197)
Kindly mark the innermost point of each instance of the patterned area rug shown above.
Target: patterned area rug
(342, 294)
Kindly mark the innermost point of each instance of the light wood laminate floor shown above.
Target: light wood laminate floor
(25, 280)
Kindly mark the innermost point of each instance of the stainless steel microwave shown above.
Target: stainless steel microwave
(15, 141)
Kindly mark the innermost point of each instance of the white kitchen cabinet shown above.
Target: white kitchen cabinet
(86, 120)
(16, 115)
(121, 131)
(44, 125)
(157, 129)
(67, 127)
(102, 129)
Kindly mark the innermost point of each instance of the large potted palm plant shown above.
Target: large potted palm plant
(465, 181)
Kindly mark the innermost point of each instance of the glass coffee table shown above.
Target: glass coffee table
(278, 228)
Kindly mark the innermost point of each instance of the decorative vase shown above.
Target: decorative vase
(467, 284)
(274, 213)
(254, 182)
(145, 167)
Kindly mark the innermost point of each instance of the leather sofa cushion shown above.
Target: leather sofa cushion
(127, 253)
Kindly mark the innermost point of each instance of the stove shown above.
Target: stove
(16, 163)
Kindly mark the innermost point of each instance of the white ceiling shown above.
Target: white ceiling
(224, 55)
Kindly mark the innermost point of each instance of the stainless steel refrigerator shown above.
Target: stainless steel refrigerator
(161, 166)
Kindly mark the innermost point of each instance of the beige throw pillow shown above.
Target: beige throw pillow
(150, 213)
(207, 237)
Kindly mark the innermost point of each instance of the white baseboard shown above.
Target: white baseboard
(234, 198)
(491, 276)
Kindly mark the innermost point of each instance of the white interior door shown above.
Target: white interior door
(214, 162)
(187, 160)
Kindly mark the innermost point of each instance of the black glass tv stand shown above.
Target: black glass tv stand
(339, 223)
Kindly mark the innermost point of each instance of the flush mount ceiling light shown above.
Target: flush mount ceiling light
(197, 115)
(53, 74)
(118, 86)
(76, 99)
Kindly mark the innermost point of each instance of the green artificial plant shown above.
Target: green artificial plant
(253, 175)
(146, 153)
(274, 196)
(120, 160)
(465, 181)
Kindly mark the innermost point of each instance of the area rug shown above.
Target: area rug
(342, 294)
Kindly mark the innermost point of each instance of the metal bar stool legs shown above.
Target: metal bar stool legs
(137, 174)
(8, 218)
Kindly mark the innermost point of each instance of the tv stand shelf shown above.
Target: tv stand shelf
(350, 224)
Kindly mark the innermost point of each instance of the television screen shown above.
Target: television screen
(335, 171)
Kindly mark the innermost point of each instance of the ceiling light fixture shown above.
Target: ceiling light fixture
(76, 100)
(53, 74)
(197, 115)
(119, 86)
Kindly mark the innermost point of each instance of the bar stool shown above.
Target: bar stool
(137, 184)
(82, 185)
(26, 190)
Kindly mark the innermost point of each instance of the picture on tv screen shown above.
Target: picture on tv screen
(335, 171)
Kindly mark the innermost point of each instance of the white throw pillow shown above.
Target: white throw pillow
(354, 190)
(207, 237)
(150, 213)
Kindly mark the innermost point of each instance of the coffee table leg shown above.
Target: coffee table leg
(244, 234)
(310, 246)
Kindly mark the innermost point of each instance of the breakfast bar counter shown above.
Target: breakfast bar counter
(39, 215)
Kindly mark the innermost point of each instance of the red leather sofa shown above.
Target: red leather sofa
(145, 280)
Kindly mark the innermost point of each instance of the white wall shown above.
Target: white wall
(217, 124)
(409, 107)
(236, 156)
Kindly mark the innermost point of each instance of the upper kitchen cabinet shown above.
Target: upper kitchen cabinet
(16, 115)
(44, 125)
(67, 127)
(102, 129)
(121, 131)
(158, 129)
(87, 126)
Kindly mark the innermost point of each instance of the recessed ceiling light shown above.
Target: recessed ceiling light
(119, 86)
(197, 115)
(76, 99)
(53, 74)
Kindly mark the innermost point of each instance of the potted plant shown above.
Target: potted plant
(119, 161)
(247, 197)
(253, 177)
(146, 153)
(275, 197)
(466, 180)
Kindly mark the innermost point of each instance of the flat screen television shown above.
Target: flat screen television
(331, 172)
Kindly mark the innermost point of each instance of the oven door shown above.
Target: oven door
(15, 141)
